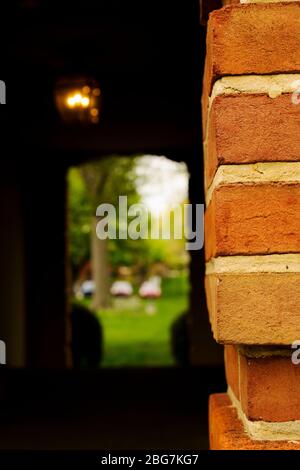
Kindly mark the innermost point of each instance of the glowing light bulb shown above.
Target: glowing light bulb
(85, 102)
(70, 102)
(82, 102)
(77, 98)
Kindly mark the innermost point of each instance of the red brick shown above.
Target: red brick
(253, 219)
(247, 128)
(268, 387)
(258, 38)
(226, 431)
(231, 357)
(251, 39)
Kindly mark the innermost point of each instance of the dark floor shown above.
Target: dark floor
(148, 409)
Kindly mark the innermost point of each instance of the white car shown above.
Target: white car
(87, 288)
(150, 289)
(121, 289)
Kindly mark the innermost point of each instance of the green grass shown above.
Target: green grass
(133, 337)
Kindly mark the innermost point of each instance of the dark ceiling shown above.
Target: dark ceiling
(146, 55)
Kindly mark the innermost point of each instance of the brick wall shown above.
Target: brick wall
(251, 128)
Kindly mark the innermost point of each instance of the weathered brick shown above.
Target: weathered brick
(234, 2)
(258, 38)
(268, 387)
(253, 219)
(254, 308)
(226, 431)
(251, 39)
(262, 1)
(248, 128)
(231, 357)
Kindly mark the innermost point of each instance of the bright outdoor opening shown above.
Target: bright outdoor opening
(130, 296)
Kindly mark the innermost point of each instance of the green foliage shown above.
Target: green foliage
(79, 220)
(103, 182)
(89, 186)
(176, 286)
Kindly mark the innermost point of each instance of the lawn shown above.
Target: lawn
(137, 332)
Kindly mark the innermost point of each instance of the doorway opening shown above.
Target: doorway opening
(130, 288)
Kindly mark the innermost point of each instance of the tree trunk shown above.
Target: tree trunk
(100, 269)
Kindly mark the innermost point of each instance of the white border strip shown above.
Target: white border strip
(283, 263)
(264, 430)
(272, 85)
(266, 1)
(255, 173)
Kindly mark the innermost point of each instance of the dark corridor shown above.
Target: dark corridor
(148, 59)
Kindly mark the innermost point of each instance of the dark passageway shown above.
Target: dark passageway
(148, 60)
(129, 409)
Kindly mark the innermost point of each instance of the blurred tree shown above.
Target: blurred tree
(79, 221)
(104, 181)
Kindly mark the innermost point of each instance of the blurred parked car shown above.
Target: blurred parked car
(151, 289)
(121, 289)
(87, 288)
